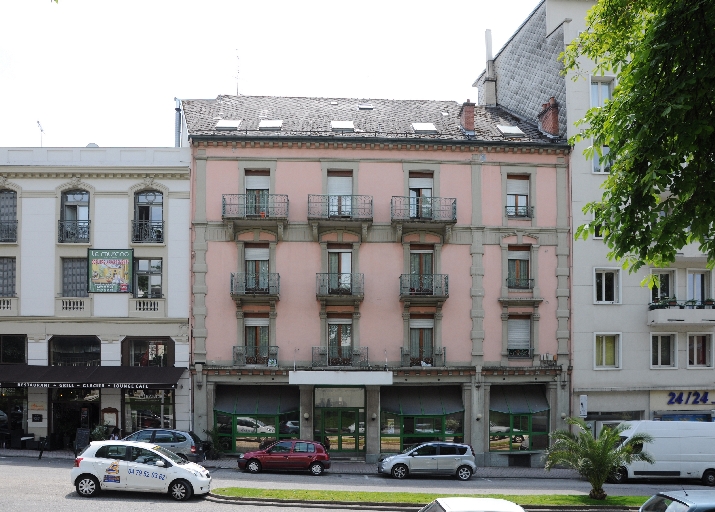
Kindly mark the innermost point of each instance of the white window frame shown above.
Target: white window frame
(596, 235)
(709, 364)
(599, 103)
(619, 358)
(673, 286)
(673, 350)
(617, 284)
(708, 282)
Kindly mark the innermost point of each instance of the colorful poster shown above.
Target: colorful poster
(110, 270)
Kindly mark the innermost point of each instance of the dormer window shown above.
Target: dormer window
(424, 128)
(342, 126)
(228, 124)
(270, 124)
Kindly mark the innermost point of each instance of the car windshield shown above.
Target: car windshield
(170, 455)
(663, 504)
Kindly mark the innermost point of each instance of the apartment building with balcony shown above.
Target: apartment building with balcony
(376, 273)
(94, 289)
(638, 353)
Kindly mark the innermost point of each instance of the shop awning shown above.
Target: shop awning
(518, 399)
(418, 401)
(253, 400)
(118, 377)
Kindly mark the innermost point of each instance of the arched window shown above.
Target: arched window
(8, 216)
(74, 217)
(148, 225)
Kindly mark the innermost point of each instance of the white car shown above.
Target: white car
(134, 466)
(471, 505)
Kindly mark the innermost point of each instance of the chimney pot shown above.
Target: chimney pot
(466, 116)
(549, 117)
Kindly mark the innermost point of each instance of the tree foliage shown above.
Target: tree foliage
(596, 460)
(659, 126)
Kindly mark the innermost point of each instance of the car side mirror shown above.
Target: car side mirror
(160, 463)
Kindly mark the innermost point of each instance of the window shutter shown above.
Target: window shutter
(519, 333)
(517, 187)
(519, 255)
(256, 254)
(258, 182)
(420, 183)
(421, 323)
(255, 322)
(340, 185)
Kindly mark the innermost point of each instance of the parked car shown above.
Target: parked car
(471, 505)
(253, 426)
(289, 454)
(133, 466)
(680, 501)
(289, 427)
(185, 444)
(431, 458)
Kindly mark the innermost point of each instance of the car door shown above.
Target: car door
(278, 456)
(303, 455)
(166, 439)
(142, 472)
(110, 467)
(424, 459)
(448, 459)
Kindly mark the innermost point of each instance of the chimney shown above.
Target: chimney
(466, 116)
(549, 117)
(490, 81)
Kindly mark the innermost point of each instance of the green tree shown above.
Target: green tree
(659, 126)
(597, 460)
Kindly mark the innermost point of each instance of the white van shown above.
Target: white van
(681, 449)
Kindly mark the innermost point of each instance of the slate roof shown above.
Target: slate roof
(311, 118)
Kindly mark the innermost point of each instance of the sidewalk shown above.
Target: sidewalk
(338, 467)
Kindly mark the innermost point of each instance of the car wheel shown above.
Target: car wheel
(180, 490)
(183, 456)
(87, 486)
(619, 476)
(464, 472)
(399, 471)
(316, 468)
(709, 477)
(253, 466)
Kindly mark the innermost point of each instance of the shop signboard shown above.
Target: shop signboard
(682, 400)
(110, 270)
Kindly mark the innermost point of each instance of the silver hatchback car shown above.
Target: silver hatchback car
(434, 458)
(186, 445)
(680, 501)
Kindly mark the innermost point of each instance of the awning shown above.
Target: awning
(421, 401)
(518, 399)
(117, 377)
(253, 400)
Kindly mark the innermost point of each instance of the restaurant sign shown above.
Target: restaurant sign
(110, 270)
(93, 385)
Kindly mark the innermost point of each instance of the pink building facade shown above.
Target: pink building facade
(373, 274)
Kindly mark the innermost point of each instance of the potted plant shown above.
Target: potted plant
(709, 302)
(671, 301)
(690, 303)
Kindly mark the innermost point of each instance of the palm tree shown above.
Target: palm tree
(597, 460)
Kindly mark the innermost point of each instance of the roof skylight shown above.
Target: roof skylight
(424, 128)
(270, 124)
(365, 106)
(342, 126)
(510, 131)
(228, 124)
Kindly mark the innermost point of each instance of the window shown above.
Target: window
(7, 277)
(257, 186)
(257, 272)
(146, 352)
(340, 189)
(74, 351)
(421, 270)
(700, 350)
(518, 262)
(420, 185)
(608, 349)
(148, 217)
(339, 270)
(665, 287)
(663, 350)
(517, 196)
(519, 336)
(607, 286)
(256, 331)
(8, 216)
(74, 277)
(340, 343)
(698, 285)
(600, 93)
(12, 349)
(422, 342)
(74, 217)
(147, 274)
(143, 409)
(113, 452)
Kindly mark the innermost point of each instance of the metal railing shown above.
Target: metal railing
(429, 209)
(435, 285)
(340, 284)
(526, 212)
(266, 355)
(339, 207)
(8, 231)
(519, 353)
(426, 358)
(250, 206)
(666, 303)
(148, 231)
(255, 284)
(519, 283)
(339, 356)
(73, 231)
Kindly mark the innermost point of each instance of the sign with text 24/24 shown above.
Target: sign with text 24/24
(110, 270)
(688, 397)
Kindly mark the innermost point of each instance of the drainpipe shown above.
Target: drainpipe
(177, 124)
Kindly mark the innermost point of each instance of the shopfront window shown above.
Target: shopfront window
(13, 402)
(148, 408)
(74, 351)
(244, 433)
(73, 408)
(518, 432)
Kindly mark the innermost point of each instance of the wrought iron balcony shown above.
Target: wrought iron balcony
(423, 358)
(255, 284)
(251, 206)
(73, 231)
(340, 285)
(423, 209)
(8, 231)
(329, 207)
(427, 285)
(250, 354)
(339, 356)
(148, 231)
(519, 283)
(524, 212)
(519, 353)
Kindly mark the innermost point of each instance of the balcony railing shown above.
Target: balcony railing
(525, 212)
(339, 207)
(347, 285)
(250, 206)
(339, 356)
(255, 284)
(251, 354)
(681, 304)
(519, 283)
(426, 358)
(8, 231)
(424, 209)
(73, 231)
(435, 285)
(519, 353)
(148, 231)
